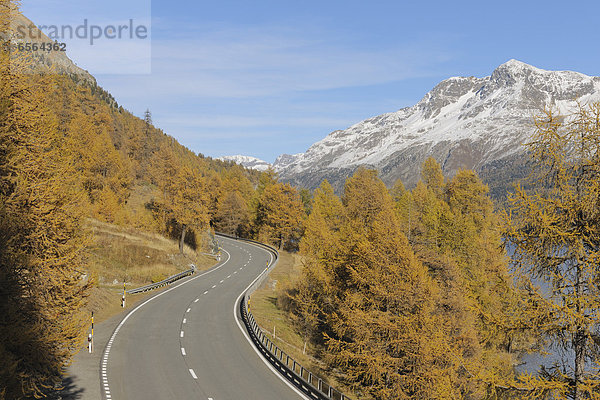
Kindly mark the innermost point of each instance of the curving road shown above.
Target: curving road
(185, 343)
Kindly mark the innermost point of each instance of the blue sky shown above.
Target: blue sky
(264, 78)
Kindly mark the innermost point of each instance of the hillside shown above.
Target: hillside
(46, 62)
(69, 155)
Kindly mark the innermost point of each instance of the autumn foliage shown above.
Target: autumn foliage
(404, 293)
(42, 278)
(555, 233)
(397, 288)
(68, 153)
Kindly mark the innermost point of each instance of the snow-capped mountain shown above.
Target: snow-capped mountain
(476, 123)
(248, 162)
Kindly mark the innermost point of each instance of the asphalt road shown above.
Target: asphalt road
(185, 343)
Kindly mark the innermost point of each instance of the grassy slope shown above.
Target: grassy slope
(273, 319)
(119, 254)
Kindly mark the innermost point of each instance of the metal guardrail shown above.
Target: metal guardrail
(307, 382)
(164, 282)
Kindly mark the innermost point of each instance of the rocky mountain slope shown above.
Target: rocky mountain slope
(22, 30)
(464, 122)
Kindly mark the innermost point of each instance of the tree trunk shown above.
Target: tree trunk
(580, 350)
(182, 240)
(579, 341)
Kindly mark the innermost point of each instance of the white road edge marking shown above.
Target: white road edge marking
(237, 321)
(193, 374)
(183, 351)
(118, 328)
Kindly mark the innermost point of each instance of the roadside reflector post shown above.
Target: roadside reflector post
(123, 298)
(91, 337)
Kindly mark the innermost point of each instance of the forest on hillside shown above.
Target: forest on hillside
(432, 293)
(69, 153)
(410, 292)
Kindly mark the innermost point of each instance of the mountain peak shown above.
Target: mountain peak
(464, 122)
(512, 71)
(516, 65)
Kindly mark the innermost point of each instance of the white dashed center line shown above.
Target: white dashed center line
(184, 320)
(214, 286)
(104, 376)
(221, 281)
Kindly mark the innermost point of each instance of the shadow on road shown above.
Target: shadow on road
(69, 391)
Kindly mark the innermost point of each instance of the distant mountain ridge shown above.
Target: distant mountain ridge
(464, 122)
(248, 162)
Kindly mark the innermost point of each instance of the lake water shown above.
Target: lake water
(556, 355)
